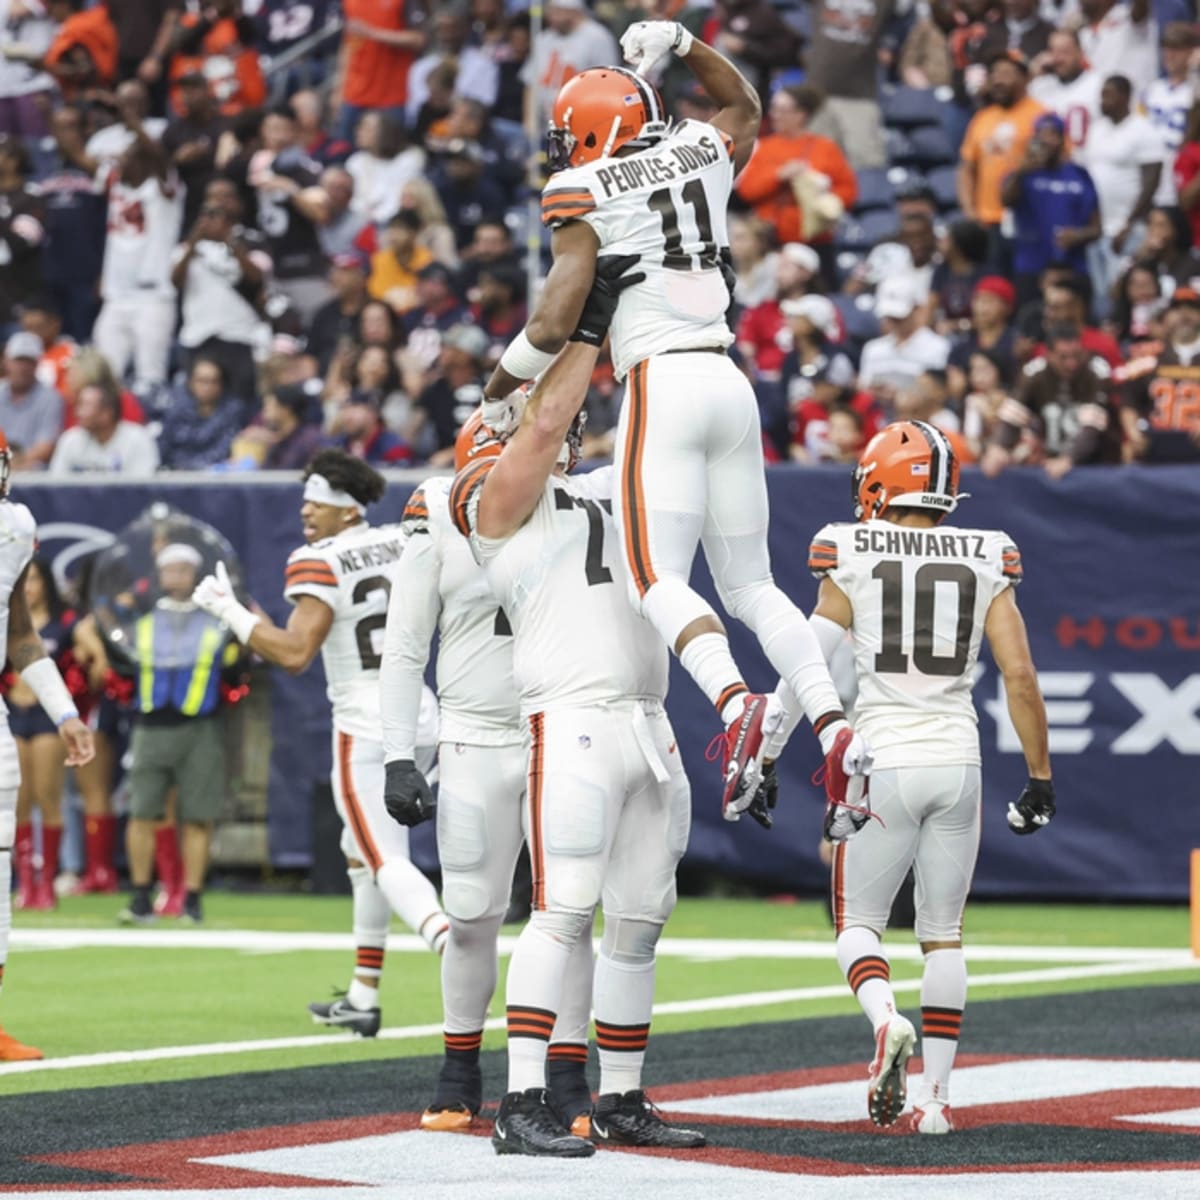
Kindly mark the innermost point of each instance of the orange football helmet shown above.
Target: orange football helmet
(910, 464)
(600, 110)
(5, 465)
(475, 441)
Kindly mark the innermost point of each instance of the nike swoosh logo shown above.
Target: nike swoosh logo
(599, 1131)
(498, 1129)
(731, 771)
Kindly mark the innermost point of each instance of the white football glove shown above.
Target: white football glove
(503, 416)
(214, 594)
(646, 42)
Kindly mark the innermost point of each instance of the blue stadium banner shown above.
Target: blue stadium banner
(1112, 576)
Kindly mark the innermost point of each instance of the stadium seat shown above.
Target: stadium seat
(943, 181)
(930, 147)
(879, 225)
(858, 318)
(909, 108)
(899, 148)
(846, 262)
(874, 190)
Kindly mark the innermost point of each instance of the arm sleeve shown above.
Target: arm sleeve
(413, 610)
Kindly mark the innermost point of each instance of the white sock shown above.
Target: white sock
(533, 996)
(5, 907)
(707, 660)
(362, 996)
(469, 973)
(943, 998)
(372, 916)
(860, 955)
(413, 899)
(575, 1006)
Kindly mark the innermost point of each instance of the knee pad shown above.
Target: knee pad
(745, 602)
(670, 605)
(628, 941)
(563, 925)
(360, 875)
(465, 898)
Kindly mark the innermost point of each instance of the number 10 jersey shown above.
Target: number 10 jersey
(667, 205)
(920, 599)
(351, 573)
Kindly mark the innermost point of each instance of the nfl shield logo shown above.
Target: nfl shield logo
(585, 742)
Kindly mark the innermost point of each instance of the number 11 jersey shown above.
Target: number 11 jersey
(667, 205)
(351, 573)
(920, 599)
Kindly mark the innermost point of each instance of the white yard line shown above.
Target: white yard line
(1168, 961)
(251, 941)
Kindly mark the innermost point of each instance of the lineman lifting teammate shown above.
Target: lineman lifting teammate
(608, 803)
(18, 536)
(918, 605)
(339, 584)
(689, 447)
(439, 587)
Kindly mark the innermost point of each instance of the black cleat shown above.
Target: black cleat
(631, 1120)
(570, 1095)
(458, 1098)
(528, 1124)
(364, 1022)
(139, 910)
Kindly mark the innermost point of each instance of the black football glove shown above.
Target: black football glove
(601, 305)
(406, 793)
(1034, 809)
(766, 796)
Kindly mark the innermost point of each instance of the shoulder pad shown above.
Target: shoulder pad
(416, 513)
(567, 197)
(464, 494)
(1010, 559)
(823, 552)
(306, 565)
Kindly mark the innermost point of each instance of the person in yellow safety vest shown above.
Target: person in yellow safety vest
(177, 742)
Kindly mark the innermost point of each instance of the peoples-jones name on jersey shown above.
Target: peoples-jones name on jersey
(361, 557)
(627, 175)
(919, 542)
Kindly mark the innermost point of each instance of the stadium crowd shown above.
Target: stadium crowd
(218, 252)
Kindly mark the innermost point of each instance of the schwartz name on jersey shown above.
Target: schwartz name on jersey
(667, 204)
(920, 599)
(352, 574)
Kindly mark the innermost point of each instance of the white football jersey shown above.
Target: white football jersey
(352, 574)
(18, 537)
(1077, 102)
(920, 598)
(1167, 105)
(577, 640)
(445, 590)
(667, 205)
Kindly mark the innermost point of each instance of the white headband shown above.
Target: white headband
(319, 490)
(179, 552)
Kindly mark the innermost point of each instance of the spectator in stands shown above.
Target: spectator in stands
(191, 141)
(842, 59)
(1168, 100)
(1187, 172)
(221, 281)
(43, 320)
(439, 308)
(498, 306)
(761, 332)
(280, 28)
(137, 317)
(380, 166)
(358, 426)
(144, 30)
(31, 413)
(103, 442)
(1065, 302)
(797, 180)
(378, 51)
(994, 146)
(1056, 212)
(201, 420)
(928, 399)
(431, 120)
(337, 320)
(993, 303)
(177, 738)
(1022, 31)
(312, 133)
(342, 230)
(504, 157)
(963, 248)
(293, 438)
(290, 205)
(1124, 158)
(1167, 248)
(907, 347)
(1160, 402)
(1069, 87)
(925, 58)
(987, 392)
(73, 251)
(132, 110)
(478, 76)
(1065, 403)
(83, 54)
(847, 435)
(88, 367)
(465, 190)
(571, 41)
(1137, 307)
(752, 246)
(452, 394)
(218, 42)
(395, 265)
(756, 38)
(492, 246)
(512, 53)
(420, 196)
(1120, 38)
(22, 231)
(25, 89)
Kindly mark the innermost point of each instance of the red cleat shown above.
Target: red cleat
(741, 750)
(169, 904)
(846, 774)
(44, 898)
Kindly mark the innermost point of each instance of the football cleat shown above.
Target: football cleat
(364, 1022)
(169, 903)
(193, 912)
(528, 1124)
(931, 1116)
(632, 1120)
(887, 1088)
(570, 1092)
(459, 1096)
(740, 749)
(846, 774)
(13, 1051)
(137, 912)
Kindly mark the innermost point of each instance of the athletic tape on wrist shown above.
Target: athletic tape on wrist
(47, 685)
(523, 360)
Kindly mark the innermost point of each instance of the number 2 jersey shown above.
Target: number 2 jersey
(667, 205)
(920, 598)
(576, 639)
(352, 574)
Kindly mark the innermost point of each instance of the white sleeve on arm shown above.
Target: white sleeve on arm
(829, 635)
(413, 611)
